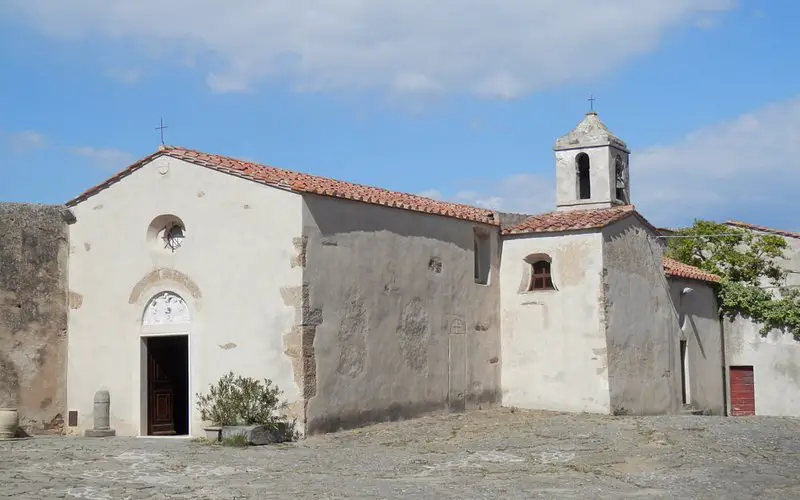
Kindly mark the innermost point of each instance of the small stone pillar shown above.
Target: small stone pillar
(101, 414)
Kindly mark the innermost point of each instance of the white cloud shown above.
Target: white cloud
(496, 48)
(225, 84)
(414, 83)
(105, 158)
(431, 193)
(519, 193)
(749, 164)
(751, 161)
(25, 141)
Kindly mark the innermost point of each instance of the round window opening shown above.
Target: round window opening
(173, 237)
(166, 233)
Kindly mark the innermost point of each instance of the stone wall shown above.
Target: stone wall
(33, 313)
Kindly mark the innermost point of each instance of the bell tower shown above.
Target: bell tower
(591, 167)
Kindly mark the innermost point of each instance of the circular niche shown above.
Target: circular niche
(166, 233)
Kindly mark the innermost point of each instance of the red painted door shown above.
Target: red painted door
(743, 394)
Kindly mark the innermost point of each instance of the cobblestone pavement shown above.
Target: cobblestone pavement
(488, 454)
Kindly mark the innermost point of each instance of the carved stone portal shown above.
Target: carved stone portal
(164, 309)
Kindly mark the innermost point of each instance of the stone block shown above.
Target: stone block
(257, 435)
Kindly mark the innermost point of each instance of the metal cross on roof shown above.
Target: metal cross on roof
(591, 100)
(161, 130)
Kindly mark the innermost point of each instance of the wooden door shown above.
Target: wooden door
(743, 394)
(160, 391)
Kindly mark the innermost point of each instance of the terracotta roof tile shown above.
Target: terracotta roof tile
(306, 183)
(675, 269)
(753, 227)
(571, 220)
(597, 218)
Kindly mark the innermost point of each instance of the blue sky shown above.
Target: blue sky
(460, 100)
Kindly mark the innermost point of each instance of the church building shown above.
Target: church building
(364, 304)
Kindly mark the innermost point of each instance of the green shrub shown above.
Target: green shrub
(242, 401)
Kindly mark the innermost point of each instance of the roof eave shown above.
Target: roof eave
(672, 275)
(564, 145)
(763, 229)
(483, 216)
(114, 178)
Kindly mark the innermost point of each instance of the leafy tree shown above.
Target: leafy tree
(753, 281)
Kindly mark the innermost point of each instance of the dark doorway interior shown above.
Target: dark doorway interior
(167, 385)
(684, 353)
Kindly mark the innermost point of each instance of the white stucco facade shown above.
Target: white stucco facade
(232, 271)
(775, 360)
(553, 343)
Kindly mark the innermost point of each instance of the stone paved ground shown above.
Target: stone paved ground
(495, 454)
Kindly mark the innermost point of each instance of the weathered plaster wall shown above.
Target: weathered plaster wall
(238, 270)
(641, 323)
(553, 343)
(699, 325)
(395, 325)
(776, 365)
(33, 313)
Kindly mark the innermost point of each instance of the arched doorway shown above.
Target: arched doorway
(165, 366)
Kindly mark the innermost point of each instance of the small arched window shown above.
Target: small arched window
(584, 180)
(538, 274)
(541, 279)
(619, 167)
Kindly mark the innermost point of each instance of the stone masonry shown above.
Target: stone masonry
(33, 313)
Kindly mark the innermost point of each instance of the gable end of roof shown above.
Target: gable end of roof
(113, 179)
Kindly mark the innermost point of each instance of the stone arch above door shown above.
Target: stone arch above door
(167, 278)
(166, 308)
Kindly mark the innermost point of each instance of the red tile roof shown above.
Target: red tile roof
(571, 220)
(675, 269)
(305, 183)
(753, 227)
